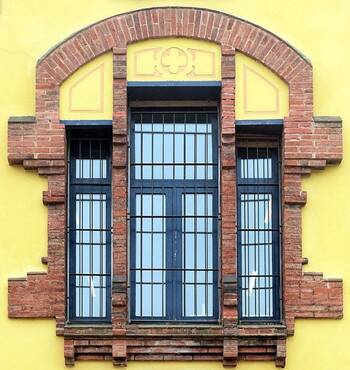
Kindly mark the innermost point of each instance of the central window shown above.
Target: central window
(174, 215)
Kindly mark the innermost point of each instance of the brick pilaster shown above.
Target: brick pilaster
(308, 143)
(228, 209)
(120, 204)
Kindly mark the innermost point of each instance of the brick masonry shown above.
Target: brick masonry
(308, 143)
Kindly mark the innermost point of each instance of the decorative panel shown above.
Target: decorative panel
(87, 93)
(259, 92)
(171, 59)
(308, 143)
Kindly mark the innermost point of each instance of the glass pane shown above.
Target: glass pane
(256, 254)
(181, 146)
(174, 148)
(256, 163)
(197, 255)
(150, 253)
(90, 255)
(90, 157)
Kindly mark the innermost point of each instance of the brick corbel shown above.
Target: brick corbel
(319, 143)
(308, 143)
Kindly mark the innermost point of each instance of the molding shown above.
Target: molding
(22, 119)
(174, 84)
(245, 92)
(172, 103)
(86, 122)
(258, 122)
(42, 147)
(79, 81)
(330, 121)
(174, 90)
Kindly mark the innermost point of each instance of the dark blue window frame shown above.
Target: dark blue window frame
(266, 308)
(173, 190)
(88, 186)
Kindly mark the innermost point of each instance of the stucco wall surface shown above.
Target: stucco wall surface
(319, 29)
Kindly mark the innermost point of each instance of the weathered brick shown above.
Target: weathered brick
(307, 143)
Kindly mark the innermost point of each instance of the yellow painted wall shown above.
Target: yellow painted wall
(171, 59)
(319, 29)
(260, 94)
(88, 93)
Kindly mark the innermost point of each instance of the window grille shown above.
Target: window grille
(258, 210)
(89, 226)
(173, 215)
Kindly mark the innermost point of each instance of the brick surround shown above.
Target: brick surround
(308, 143)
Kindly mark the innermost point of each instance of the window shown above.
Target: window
(89, 225)
(258, 207)
(174, 215)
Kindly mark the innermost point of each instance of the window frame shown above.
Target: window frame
(87, 186)
(191, 187)
(272, 186)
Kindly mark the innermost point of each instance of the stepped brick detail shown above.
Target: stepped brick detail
(308, 143)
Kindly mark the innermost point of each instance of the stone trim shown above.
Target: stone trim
(307, 143)
(329, 120)
(21, 119)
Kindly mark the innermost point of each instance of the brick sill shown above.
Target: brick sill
(262, 330)
(164, 330)
(174, 326)
(87, 330)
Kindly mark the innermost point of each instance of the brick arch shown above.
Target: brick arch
(230, 32)
(39, 143)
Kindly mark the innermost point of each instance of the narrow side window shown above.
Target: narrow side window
(89, 226)
(258, 218)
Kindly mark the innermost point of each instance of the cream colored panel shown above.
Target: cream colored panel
(87, 94)
(174, 60)
(259, 92)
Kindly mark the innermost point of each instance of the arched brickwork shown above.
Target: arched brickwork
(230, 32)
(40, 143)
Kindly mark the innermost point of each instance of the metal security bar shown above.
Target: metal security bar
(173, 215)
(89, 226)
(258, 207)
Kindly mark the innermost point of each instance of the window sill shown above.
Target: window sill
(85, 330)
(262, 330)
(200, 325)
(171, 330)
(258, 325)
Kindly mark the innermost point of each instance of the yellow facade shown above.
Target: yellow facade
(88, 93)
(319, 29)
(174, 60)
(260, 94)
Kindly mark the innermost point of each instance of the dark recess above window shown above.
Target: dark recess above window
(174, 90)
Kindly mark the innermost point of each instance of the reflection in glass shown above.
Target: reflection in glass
(89, 225)
(90, 158)
(173, 215)
(173, 151)
(258, 232)
(90, 255)
(150, 250)
(256, 255)
(256, 163)
(197, 255)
